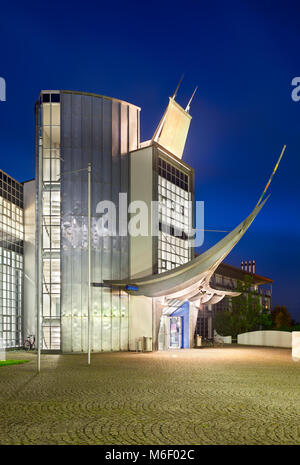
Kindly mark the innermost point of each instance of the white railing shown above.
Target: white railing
(270, 338)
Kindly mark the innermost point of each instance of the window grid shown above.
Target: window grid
(11, 261)
(172, 174)
(175, 217)
(49, 144)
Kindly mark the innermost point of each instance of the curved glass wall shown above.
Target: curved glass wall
(101, 131)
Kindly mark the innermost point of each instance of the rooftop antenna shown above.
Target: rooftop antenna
(176, 90)
(190, 101)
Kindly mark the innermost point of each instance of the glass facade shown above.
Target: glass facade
(75, 129)
(49, 157)
(11, 260)
(175, 216)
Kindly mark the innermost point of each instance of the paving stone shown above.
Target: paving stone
(230, 395)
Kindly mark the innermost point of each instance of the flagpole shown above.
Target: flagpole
(39, 265)
(89, 171)
(89, 262)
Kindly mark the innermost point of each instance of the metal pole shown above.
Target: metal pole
(89, 262)
(39, 264)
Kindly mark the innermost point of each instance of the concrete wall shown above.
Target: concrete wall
(296, 346)
(157, 313)
(140, 319)
(29, 322)
(266, 338)
(192, 323)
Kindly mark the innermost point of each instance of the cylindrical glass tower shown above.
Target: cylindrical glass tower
(74, 129)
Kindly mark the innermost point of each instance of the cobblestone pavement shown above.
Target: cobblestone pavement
(233, 395)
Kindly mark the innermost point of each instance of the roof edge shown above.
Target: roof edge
(255, 275)
(92, 94)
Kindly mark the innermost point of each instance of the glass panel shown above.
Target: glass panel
(55, 169)
(55, 142)
(46, 114)
(46, 137)
(46, 169)
(55, 114)
(46, 305)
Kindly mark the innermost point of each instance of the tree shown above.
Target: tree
(246, 313)
(222, 323)
(281, 318)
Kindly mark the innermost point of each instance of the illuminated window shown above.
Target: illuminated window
(50, 158)
(175, 216)
(11, 261)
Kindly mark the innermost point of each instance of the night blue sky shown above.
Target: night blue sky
(243, 56)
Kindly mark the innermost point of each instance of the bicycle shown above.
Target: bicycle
(218, 342)
(29, 342)
(208, 342)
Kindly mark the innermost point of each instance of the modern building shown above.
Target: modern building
(11, 261)
(90, 275)
(72, 130)
(226, 277)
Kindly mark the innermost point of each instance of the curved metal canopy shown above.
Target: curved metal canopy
(191, 280)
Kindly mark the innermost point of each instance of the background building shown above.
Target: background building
(226, 277)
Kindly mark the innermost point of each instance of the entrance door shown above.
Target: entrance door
(175, 332)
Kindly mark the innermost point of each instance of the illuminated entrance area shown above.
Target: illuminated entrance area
(174, 329)
(175, 332)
